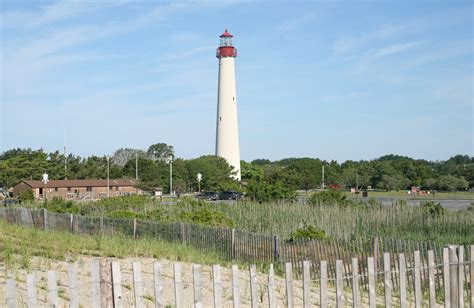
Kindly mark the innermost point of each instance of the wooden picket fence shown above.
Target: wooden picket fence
(106, 288)
(240, 246)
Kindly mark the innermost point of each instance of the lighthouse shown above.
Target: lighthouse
(227, 128)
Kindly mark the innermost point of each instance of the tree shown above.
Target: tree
(216, 172)
(160, 151)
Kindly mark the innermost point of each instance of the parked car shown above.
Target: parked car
(208, 195)
(230, 195)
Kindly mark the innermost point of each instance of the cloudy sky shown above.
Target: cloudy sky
(328, 79)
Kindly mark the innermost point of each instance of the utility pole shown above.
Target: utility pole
(136, 171)
(65, 157)
(171, 175)
(323, 178)
(108, 178)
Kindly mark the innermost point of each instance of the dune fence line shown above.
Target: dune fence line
(106, 284)
(240, 246)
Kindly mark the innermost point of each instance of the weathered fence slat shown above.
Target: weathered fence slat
(339, 284)
(178, 285)
(371, 265)
(306, 284)
(461, 275)
(446, 280)
(11, 293)
(216, 281)
(105, 284)
(197, 286)
(159, 303)
(387, 279)
(472, 275)
(137, 284)
(235, 286)
(453, 276)
(73, 293)
(31, 289)
(355, 283)
(271, 287)
(95, 283)
(417, 279)
(116, 284)
(323, 290)
(431, 278)
(253, 286)
(52, 289)
(403, 280)
(289, 284)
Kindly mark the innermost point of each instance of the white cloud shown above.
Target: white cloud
(396, 49)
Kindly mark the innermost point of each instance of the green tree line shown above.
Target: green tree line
(264, 179)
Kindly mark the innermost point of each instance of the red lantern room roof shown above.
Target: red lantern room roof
(226, 34)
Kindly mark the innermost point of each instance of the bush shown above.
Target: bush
(433, 209)
(331, 196)
(26, 196)
(308, 233)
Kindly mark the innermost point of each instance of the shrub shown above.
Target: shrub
(433, 209)
(308, 233)
(26, 196)
(331, 196)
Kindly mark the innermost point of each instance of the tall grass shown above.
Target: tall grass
(398, 220)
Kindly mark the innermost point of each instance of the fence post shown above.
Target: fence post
(275, 248)
(232, 246)
(52, 289)
(289, 284)
(371, 265)
(216, 282)
(72, 278)
(417, 274)
(45, 219)
(183, 234)
(339, 284)
(472, 275)
(387, 279)
(134, 228)
(137, 284)
(447, 300)
(355, 283)
(323, 295)
(101, 225)
(461, 275)
(116, 284)
(235, 286)
(159, 303)
(178, 285)
(271, 287)
(403, 280)
(105, 283)
(31, 289)
(253, 286)
(431, 278)
(71, 222)
(11, 293)
(95, 283)
(453, 276)
(375, 245)
(306, 284)
(197, 286)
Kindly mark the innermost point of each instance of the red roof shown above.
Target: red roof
(80, 183)
(226, 34)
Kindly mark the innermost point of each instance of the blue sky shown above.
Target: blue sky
(334, 80)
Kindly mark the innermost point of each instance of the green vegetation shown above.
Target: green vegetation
(331, 212)
(266, 180)
(308, 233)
(18, 244)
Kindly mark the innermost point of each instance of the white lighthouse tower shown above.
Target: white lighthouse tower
(227, 130)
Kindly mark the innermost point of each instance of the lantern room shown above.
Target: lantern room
(226, 49)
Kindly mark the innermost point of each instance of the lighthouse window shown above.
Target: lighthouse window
(220, 119)
(233, 98)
